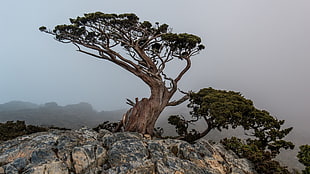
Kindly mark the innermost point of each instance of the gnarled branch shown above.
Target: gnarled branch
(178, 102)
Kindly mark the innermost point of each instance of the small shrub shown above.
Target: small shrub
(106, 125)
(11, 129)
(304, 157)
(262, 159)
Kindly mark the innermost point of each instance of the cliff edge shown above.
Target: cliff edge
(85, 151)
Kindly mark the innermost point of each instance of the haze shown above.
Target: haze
(258, 47)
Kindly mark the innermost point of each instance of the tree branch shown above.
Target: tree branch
(180, 101)
(149, 62)
(95, 55)
(209, 128)
(187, 67)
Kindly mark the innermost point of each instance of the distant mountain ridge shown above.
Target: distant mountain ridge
(51, 114)
(17, 105)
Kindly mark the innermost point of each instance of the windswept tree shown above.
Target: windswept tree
(147, 50)
(221, 109)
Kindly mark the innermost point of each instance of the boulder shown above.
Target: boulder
(85, 151)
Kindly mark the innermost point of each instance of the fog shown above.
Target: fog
(258, 47)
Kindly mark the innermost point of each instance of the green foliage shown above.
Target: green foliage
(180, 43)
(221, 108)
(262, 160)
(42, 28)
(101, 31)
(10, 130)
(181, 126)
(304, 157)
(224, 109)
(179, 123)
(95, 27)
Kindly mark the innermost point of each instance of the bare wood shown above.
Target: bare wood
(178, 102)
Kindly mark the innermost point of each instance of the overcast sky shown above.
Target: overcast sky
(258, 47)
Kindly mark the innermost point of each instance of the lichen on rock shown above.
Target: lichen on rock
(85, 151)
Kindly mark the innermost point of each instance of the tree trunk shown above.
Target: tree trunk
(144, 114)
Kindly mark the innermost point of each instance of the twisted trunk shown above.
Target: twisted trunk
(144, 114)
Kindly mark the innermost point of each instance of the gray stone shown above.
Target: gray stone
(52, 167)
(10, 169)
(146, 167)
(1, 170)
(237, 165)
(20, 163)
(42, 156)
(173, 164)
(85, 151)
(88, 158)
(103, 132)
(109, 139)
(127, 151)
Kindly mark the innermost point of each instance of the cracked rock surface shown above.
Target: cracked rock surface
(85, 151)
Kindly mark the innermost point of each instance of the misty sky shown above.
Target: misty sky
(258, 47)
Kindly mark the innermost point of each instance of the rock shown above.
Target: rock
(85, 151)
(20, 163)
(110, 139)
(52, 167)
(9, 169)
(237, 165)
(87, 157)
(42, 156)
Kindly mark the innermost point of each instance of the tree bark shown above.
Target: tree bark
(144, 114)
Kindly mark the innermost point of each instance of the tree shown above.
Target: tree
(222, 109)
(304, 157)
(148, 49)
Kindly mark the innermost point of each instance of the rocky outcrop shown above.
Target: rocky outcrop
(85, 151)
